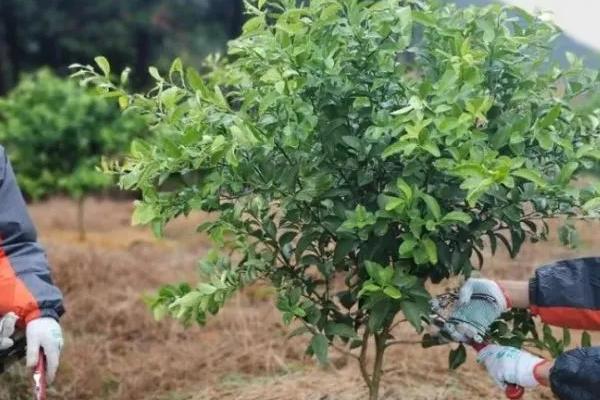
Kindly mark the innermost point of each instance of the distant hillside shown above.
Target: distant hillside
(562, 45)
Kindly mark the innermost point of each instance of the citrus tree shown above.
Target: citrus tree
(354, 151)
(56, 132)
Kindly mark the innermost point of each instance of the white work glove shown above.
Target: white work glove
(7, 329)
(46, 334)
(509, 365)
(481, 301)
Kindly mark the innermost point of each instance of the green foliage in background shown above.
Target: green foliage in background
(56, 132)
(354, 151)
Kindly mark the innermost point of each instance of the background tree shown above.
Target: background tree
(134, 33)
(352, 179)
(56, 132)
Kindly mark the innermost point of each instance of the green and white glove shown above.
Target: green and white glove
(7, 329)
(481, 301)
(509, 365)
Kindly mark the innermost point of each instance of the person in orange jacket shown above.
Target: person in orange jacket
(565, 294)
(28, 298)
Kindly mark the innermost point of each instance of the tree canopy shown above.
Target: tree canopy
(355, 152)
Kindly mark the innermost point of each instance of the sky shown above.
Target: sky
(578, 18)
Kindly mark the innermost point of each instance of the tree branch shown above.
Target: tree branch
(362, 360)
(345, 352)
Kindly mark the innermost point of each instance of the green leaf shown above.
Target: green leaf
(253, 24)
(592, 205)
(103, 64)
(378, 314)
(396, 148)
(404, 188)
(206, 289)
(342, 248)
(195, 81)
(123, 102)
(530, 175)
(319, 346)
(160, 311)
(568, 236)
(567, 172)
(287, 237)
(222, 101)
(143, 214)
(338, 329)
(430, 340)
(432, 205)
(305, 242)
(431, 250)
(331, 12)
(432, 149)
(124, 77)
(478, 190)
(457, 357)
(386, 274)
(424, 18)
(551, 117)
(457, 216)
(155, 74)
(407, 247)
(586, 339)
(352, 141)
(176, 67)
(394, 203)
(413, 311)
(566, 337)
(392, 292)
(368, 287)
(373, 269)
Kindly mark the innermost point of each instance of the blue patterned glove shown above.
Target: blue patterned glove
(481, 301)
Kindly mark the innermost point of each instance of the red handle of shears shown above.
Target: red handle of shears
(39, 378)
(512, 392)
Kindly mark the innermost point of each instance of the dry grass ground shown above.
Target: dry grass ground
(115, 351)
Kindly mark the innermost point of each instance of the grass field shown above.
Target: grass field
(115, 351)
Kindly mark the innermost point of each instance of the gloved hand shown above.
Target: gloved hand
(481, 301)
(510, 365)
(44, 333)
(7, 329)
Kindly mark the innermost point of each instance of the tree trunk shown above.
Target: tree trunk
(80, 218)
(377, 366)
(373, 380)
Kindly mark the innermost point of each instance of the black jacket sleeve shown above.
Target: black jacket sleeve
(576, 375)
(567, 293)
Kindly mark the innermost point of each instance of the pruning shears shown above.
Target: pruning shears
(442, 309)
(39, 378)
(16, 353)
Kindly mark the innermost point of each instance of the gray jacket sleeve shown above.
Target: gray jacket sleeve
(26, 287)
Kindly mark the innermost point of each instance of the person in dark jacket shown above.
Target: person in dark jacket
(28, 298)
(564, 294)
